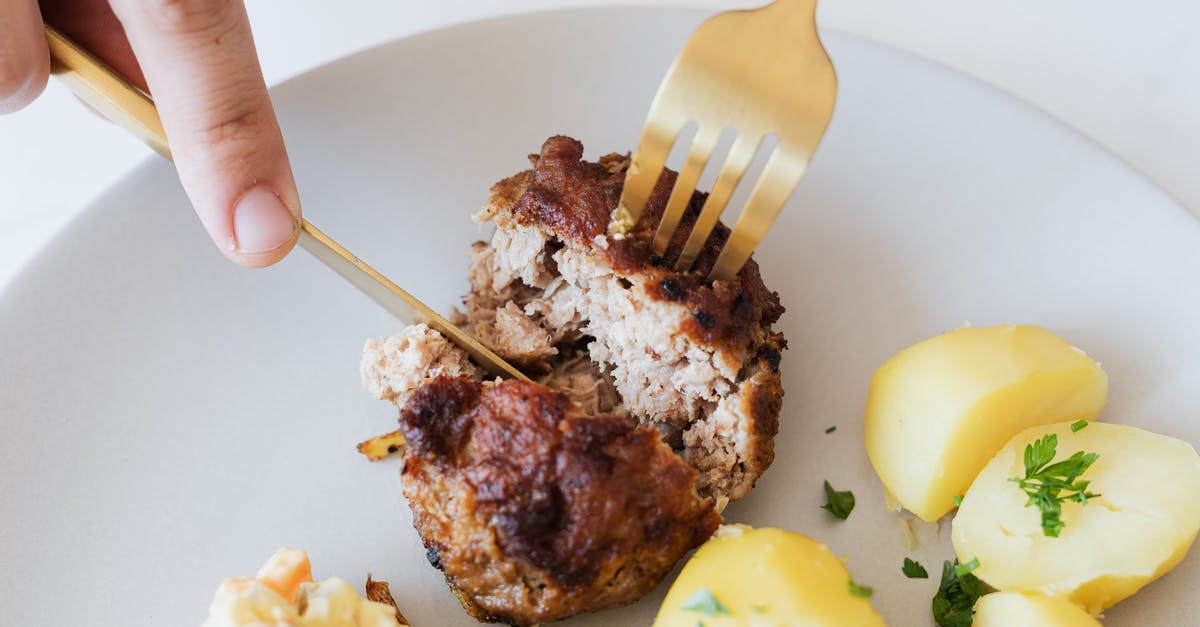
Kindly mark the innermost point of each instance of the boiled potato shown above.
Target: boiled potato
(1140, 526)
(938, 410)
(1009, 609)
(751, 577)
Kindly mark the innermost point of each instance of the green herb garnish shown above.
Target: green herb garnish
(1048, 485)
(914, 570)
(958, 501)
(839, 504)
(1078, 425)
(954, 603)
(962, 570)
(758, 609)
(860, 591)
(831, 429)
(705, 603)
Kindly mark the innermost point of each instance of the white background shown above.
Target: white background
(1125, 74)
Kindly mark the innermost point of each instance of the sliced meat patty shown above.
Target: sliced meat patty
(697, 360)
(536, 511)
(657, 400)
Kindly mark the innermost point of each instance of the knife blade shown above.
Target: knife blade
(132, 109)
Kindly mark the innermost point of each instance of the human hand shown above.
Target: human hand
(197, 58)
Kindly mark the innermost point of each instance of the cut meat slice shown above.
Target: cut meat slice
(657, 400)
(683, 354)
(536, 511)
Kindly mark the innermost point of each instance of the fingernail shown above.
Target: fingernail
(261, 222)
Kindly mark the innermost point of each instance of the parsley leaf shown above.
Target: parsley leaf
(831, 429)
(958, 501)
(1078, 425)
(914, 570)
(837, 503)
(954, 603)
(1048, 485)
(1040, 453)
(705, 603)
(860, 591)
(962, 570)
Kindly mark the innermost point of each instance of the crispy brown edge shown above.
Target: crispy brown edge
(571, 198)
(381, 446)
(379, 592)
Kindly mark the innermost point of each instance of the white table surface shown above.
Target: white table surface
(1125, 74)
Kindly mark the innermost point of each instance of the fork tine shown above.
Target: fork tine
(697, 157)
(779, 178)
(735, 166)
(647, 165)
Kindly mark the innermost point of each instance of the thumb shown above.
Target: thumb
(202, 69)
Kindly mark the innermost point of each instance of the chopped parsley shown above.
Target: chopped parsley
(954, 603)
(1049, 485)
(1078, 425)
(859, 590)
(831, 429)
(705, 603)
(958, 501)
(839, 504)
(962, 570)
(914, 570)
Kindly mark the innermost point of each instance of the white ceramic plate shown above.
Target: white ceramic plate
(169, 420)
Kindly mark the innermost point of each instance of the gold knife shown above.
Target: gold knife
(129, 107)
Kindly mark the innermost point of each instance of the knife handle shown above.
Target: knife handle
(131, 108)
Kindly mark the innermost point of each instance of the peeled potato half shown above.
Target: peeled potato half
(938, 410)
(744, 576)
(1140, 527)
(1009, 609)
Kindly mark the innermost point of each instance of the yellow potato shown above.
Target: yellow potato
(752, 577)
(1009, 609)
(939, 409)
(1140, 526)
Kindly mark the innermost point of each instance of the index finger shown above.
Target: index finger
(199, 60)
(24, 60)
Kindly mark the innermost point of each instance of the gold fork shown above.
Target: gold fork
(127, 106)
(761, 71)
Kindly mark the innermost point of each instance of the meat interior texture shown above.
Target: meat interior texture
(619, 330)
(657, 401)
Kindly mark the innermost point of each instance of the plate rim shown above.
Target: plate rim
(106, 195)
(18, 275)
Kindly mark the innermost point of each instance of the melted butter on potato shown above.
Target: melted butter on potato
(764, 577)
(1010, 609)
(938, 410)
(1141, 525)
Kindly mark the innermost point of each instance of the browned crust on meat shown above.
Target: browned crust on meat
(535, 511)
(535, 507)
(381, 446)
(379, 592)
(764, 403)
(574, 199)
